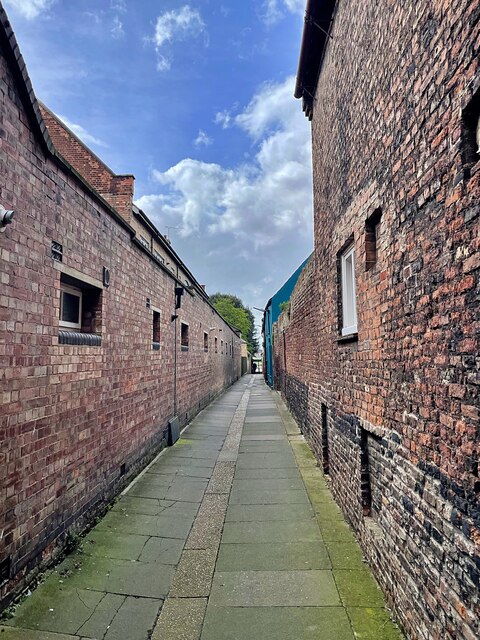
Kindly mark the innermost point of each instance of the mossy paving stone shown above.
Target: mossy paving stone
(273, 437)
(181, 489)
(315, 483)
(268, 497)
(327, 510)
(12, 633)
(262, 411)
(123, 577)
(162, 551)
(56, 607)
(273, 556)
(285, 472)
(189, 461)
(106, 544)
(155, 507)
(278, 623)
(264, 447)
(272, 484)
(164, 526)
(265, 461)
(274, 589)
(184, 471)
(97, 625)
(373, 624)
(358, 588)
(134, 620)
(335, 531)
(346, 555)
(267, 531)
(265, 512)
(200, 459)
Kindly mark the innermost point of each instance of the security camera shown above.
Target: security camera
(6, 217)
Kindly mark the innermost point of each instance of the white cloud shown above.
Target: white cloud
(257, 204)
(82, 133)
(224, 119)
(117, 28)
(175, 25)
(30, 8)
(274, 10)
(203, 139)
(118, 5)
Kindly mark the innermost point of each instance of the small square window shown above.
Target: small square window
(156, 330)
(349, 303)
(70, 307)
(80, 313)
(205, 341)
(184, 336)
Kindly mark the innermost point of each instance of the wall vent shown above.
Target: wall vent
(57, 251)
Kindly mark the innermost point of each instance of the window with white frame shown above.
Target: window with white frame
(70, 307)
(349, 302)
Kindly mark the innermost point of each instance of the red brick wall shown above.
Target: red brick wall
(73, 415)
(402, 400)
(117, 190)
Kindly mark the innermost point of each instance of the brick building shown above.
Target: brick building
(377, 354)
(105, 335)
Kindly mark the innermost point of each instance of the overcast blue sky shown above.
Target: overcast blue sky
(196, 100)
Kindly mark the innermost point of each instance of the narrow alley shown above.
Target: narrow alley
(232, 534)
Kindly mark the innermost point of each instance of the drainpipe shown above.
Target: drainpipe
(175, 365)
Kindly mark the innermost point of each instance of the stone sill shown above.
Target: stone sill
(351, 337)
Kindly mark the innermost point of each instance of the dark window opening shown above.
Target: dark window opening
(205, 341)
(325, 452)
(372, 231)
(184, 337)
(471, 131)
(365, 490)
(5, 569)
(156, 330)
(221, 347)
(216, 345)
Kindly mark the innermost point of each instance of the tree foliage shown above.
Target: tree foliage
(238, 315)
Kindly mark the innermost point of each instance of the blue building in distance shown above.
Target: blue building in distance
(270, 315)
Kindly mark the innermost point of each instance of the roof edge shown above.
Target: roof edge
(19, 70)
(319, 15)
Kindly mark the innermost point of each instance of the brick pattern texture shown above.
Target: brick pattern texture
(401, 402)
(77, 422)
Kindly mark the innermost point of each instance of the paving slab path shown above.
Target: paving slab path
(232, 534)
